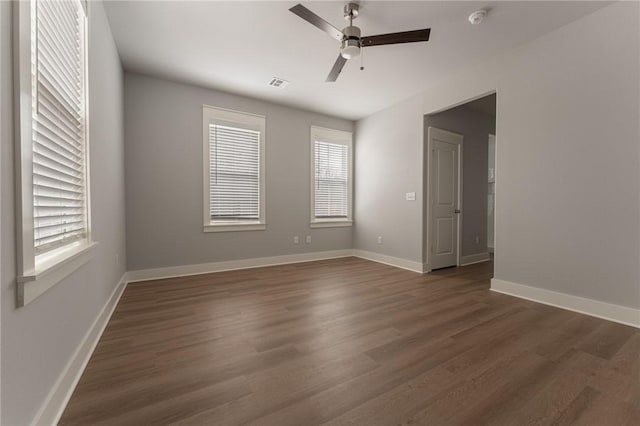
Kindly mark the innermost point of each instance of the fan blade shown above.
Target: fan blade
(336, 70)
(397, 38)
(317, 21)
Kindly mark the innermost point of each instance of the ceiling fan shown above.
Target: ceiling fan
(350, 37)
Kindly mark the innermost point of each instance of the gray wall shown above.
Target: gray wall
(5, 134)
(163, 132)
(38, 340)
(388, 165)
(568, 158)
(475, 126)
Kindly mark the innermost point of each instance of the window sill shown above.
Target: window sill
(331, 224)
(234, 226)
(33, 283)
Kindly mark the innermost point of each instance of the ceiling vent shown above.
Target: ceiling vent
(278, 82)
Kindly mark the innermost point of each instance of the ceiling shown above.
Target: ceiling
(238, 46)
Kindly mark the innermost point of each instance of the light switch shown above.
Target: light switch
(410, 196)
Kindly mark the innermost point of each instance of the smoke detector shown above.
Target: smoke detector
(478, 16)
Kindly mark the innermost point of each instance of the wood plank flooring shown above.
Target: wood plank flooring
(353, 342)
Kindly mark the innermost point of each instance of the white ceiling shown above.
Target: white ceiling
(238, 46)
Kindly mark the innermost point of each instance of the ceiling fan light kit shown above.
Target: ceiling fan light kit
(351, 44)
(350, 38)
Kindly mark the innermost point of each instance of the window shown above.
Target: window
(234, 170)
(331, 180)
(54, 201)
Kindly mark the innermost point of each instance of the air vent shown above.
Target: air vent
(278, 82)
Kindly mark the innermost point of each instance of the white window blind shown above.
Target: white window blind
(234, 155)
(59, 124)
(331, 180)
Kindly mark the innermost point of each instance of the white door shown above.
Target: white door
(445, 197)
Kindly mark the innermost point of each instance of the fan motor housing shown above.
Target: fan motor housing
(351, 33)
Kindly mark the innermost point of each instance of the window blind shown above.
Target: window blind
(59, 160)
(331, 180)
(234, 155)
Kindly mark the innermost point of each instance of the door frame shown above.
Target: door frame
(495, 168)
(429, 198)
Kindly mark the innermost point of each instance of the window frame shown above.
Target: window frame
(337, 137)
(211, 114)
(38, 273)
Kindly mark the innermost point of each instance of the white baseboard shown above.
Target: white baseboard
(474, 258)
(390, 260)
(594, 308)
(53, 407)
(231, 265)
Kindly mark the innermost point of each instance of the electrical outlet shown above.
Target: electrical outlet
(308, 239)
(379, 240)
(296, 239)
(477, 239)
(117, 259)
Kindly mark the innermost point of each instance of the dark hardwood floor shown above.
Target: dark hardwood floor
(349, 341)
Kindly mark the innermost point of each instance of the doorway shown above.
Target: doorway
(465, 237)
